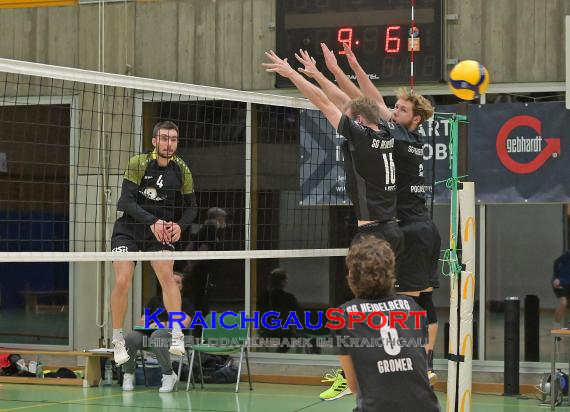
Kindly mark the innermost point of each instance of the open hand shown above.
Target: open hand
(310, 69)
(330, 58)
(278, 65)
(352, 61)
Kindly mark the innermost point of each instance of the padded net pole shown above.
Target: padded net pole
(462, 283)
(467, 287)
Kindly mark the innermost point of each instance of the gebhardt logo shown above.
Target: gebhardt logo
(506, 146)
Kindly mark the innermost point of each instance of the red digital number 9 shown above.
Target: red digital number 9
(392, 39)
(344, 36)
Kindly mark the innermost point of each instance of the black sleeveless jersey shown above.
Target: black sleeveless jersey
(370, 170)
(408, 154)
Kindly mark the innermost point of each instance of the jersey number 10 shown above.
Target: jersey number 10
(389, 168)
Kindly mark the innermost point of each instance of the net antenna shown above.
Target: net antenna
(568, 62)
(412, 48)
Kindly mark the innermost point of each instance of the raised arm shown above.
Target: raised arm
(343, 81)
(366, 85)
(332, 91)
(309, 90)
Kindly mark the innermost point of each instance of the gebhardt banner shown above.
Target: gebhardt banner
(518, 152)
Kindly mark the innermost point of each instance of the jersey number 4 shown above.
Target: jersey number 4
(389, 168)
(159, 182)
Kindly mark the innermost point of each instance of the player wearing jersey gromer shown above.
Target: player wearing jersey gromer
(391, 376)
(157, 203)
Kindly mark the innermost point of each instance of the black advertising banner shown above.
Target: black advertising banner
(435, 134)
(517, 152)
(322, 176)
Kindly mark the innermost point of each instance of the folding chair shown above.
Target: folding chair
(236, 335)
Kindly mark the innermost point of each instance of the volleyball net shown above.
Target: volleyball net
(270, 163)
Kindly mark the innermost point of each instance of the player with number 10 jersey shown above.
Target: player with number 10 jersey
(370, 173)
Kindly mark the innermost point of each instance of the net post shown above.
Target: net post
(462, 221)
(455, 272)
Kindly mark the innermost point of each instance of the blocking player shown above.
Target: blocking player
(371, 178)
(152, 220)
(417, 265)
(369, 164)
(391, 376)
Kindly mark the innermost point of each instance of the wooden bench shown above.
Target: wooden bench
(92, 373)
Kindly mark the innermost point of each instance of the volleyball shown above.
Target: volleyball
(468, 79)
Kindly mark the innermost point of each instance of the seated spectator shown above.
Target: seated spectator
(135, 341)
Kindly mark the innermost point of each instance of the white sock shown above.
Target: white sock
(176, 330)
(118, 334)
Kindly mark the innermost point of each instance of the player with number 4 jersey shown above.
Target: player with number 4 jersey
(150, 193)
(157, 203)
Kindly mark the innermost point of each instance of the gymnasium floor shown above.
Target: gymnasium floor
(215, 398)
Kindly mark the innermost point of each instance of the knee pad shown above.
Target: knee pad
(425, 300)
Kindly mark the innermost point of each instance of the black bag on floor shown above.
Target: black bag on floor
(62, 373)
(210, 364)
(225, 374)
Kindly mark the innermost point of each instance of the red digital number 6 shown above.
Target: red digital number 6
(392, 39)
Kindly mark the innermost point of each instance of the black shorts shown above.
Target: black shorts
(388, 231)
(561, 293)
(416, 269)
(135, 237)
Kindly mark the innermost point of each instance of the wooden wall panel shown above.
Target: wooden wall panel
(186, 42)
(206, 55)
(247, 46)
(517, 40)
(229, 43)
(221, 42)
(464, 35)
(263, 40)
(554, 42)
(156, 39)
(62, 39)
